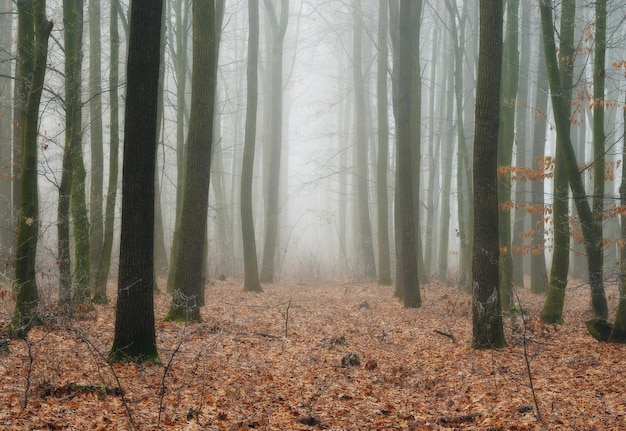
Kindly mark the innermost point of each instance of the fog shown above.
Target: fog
(318, 208)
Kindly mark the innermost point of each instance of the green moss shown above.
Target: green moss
(552, 311)
(125, 356)
(599, 329)
(180, 314)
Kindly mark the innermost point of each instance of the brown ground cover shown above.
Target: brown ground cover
(318, 356)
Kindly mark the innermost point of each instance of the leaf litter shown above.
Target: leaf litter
(305, 357)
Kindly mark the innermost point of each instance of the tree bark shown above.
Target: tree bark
(506, 137)
(96, 234)
(272, 210)
(407, 280)
(7, 238)
(384, 262)
(100, 296)
(188, 292)
(251, 268)
(33, 33)
(135, 338)
(486, 309)
(561, 108)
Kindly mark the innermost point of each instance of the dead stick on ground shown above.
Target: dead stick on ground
(287, 319)
(445, 334)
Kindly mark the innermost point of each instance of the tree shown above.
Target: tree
(506, 137)
(279, 27)
(365, 264)
(618, 329)
(561, 107)
(251, 268)
(96, 221)
(407, 280)
(488, 331)
(538, 271)
(135, 338)
(181, 9)
(384, 264)
(6, 204)
(32, 50)
(72, 197)
(599, 138)
(464, 167)
(109, 213)
(189, 282)
(555, 296)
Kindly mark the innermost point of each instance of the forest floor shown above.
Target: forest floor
(273, 361)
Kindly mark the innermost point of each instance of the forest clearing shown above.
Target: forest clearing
(281, 360)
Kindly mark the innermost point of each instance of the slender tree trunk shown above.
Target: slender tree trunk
(599, 166)
(365, 252)
(552, 311)
(446, 173)
(618, 330)
(97, 153)
(33, 33)
(100, 296)
(73, 19)
(182, 12)
(538, 271)
(6, 93)
(464, 167)
(561, 108)
(384, 262)
(188, 285)
(519, 246)
(251, 268)
(272, 210)
(506, 137)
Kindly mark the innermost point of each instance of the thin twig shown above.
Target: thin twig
(166, 370)
(93, 350)
(527, 360)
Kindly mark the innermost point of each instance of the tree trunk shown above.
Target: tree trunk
(538, 270)
(407, 280)
(519, 246)
(384, 262)
(446, 177)
(188, 284)
(135, 338)
(251, 268)
(561, 107)
(73, 19)
(486, 310)
(33, 33)
(272, 210)
(97, 153)
(182, 12)
(506, 137)
(618, 330)
(365, 264)
(6, 92)
(100, 296)
(599, 151)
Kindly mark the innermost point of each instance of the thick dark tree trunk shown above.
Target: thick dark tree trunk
(486, 311)
(135, 338)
